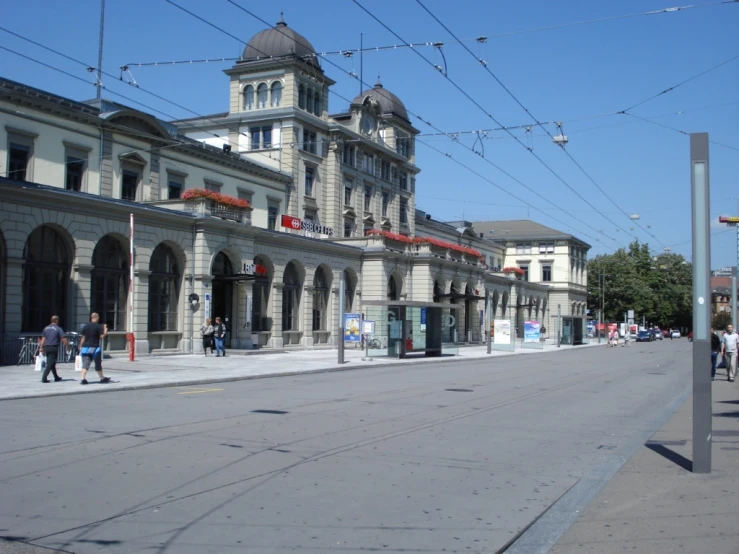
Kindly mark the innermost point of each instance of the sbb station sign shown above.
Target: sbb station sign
(296, 224)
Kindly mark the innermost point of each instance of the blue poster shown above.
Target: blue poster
(531, 331)
(352, 327)
(423, 319)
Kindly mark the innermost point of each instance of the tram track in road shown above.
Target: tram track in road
(369, 441)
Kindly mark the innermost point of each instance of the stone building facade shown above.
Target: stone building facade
(306, 199)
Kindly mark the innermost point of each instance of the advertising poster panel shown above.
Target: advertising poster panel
(531, 331)
(352, 327)
(502, 331)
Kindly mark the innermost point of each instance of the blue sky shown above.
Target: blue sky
(573, 74)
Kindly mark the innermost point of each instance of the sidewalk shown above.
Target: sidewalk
(656, 505)
(188, 369)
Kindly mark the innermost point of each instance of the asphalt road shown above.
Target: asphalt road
(447, 458)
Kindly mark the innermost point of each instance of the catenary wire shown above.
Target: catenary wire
(658, 124)
(417, 116)
(525, 109)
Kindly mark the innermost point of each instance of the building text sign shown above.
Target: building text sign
(296, 224)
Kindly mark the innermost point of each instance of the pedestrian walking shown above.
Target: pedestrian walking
(53, 337)
(615, 338)
(627, 338)
(206, 331)
(219, 333)
(715, 348)
(728, 351)
(91, 348)
(670, 332)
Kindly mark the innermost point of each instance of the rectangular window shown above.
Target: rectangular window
(348, 193)
(309, 141)
(546, 273)
(310, 216)
(385, 170)
(19, 156)
(523, 248)
(404, 211)
(309, 176)
(368, 163)
(402, 143)
(266, 137)
(546, 248)
(385, 202)
(254, 133)
(525, 268)
(174, 189)
(403, 181)
(350, 155)
(75, 172)
(245, 194)
(367, 199)
(129, 184)
(272, 211)
(213, 186)
(348, 228)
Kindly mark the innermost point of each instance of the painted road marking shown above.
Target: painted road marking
(199, 391)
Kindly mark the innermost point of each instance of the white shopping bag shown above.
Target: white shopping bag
(40, 362)
(78, 363)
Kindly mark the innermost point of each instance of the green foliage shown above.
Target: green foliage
(721, 321)
(657, 287)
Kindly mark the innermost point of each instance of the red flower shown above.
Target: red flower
(226, 200)
(448, 245)
(388, 235)
(516, 270)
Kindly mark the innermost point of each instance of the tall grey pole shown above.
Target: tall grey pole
(488, 317)
(98, 85)
(733, 284)
(702, 405)
(341, 319)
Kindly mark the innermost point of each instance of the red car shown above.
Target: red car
(666, 333)
(690, 336)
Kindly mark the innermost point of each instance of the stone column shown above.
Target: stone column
(14, 295)
(276, 341)
(141, 312)
(80, 312)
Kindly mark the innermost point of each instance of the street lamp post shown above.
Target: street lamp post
(601, 316)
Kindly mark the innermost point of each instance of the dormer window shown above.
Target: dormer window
(402, 144)
(276, 94)
(249, 97)
(262, 96)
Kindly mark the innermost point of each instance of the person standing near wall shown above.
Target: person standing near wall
(53, 337)
(206, 331)
(219, 333)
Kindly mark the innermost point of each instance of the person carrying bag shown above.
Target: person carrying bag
(206, 331)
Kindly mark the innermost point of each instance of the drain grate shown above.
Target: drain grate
(459, 390)
(273, 412)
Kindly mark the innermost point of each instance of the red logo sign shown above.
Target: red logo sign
(291, 222)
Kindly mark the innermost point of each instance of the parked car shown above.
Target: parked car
(676, 334)
(657, 334)
(644, 336)
(690, 336)
(665, 333)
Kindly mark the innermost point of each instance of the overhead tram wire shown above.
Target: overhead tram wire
(410, 112)
(351, 51)
(155, 95)
(734, 148)
(508, 192)
(524, 108)
(471, 99)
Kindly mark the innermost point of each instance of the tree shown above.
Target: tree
(658, 288)
(721, 321)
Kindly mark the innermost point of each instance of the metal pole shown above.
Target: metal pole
(488, 316)
(131, 289)
(559, 325)
(341, 319)
(98, 85)
(733, 287)
(702, 404)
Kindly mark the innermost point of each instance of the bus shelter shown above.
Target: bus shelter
(411, 328)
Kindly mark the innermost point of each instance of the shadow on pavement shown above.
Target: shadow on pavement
(728, 401)
(727, 414)
(671, 455)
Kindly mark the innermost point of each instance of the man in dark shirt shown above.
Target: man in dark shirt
(715, 348)
(91, 347)
(53, 337)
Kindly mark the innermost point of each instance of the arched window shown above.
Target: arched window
(437, 292)
(392, 289)
(45, 279)
(301, 97)
(291, 299)
(260, 321)
(309, 101)
(349, 289)
(320, 301)
(222, 266)
(110, 283)
(249, 97)
(276, 95)
(317, 108)
(262, 96)
(164, 289)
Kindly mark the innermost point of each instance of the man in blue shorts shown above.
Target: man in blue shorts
(91, 347)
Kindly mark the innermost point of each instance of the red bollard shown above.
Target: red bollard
(131, 347)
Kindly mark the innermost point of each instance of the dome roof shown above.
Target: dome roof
(387, 100)
(279, 42)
